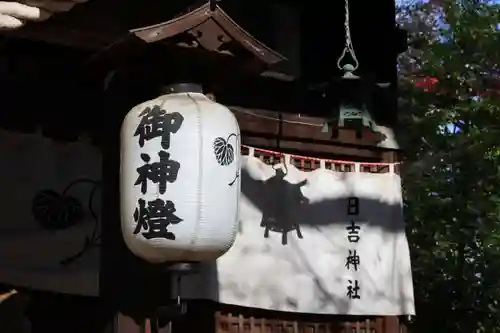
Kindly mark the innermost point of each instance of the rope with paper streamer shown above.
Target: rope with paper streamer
(306, 163)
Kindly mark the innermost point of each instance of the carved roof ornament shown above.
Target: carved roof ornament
(210, 27)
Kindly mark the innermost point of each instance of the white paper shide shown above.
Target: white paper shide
(180, 178)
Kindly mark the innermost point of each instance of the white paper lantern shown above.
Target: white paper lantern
(179, 179)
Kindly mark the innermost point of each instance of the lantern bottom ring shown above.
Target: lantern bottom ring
(184, 268)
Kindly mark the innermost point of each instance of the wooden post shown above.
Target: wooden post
(132, 287)
(110, 226)
(128, 325)
(391, 324)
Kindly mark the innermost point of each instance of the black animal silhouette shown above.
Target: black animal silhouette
(279, 201)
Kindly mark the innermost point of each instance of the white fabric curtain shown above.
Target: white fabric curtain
(299, 250)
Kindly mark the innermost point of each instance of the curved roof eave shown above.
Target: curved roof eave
(212, 28)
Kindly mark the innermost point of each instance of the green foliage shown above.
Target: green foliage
(452, 180)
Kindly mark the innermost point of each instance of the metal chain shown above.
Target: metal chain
(348, 47)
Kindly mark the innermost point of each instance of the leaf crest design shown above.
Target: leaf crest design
(224, 151)
(54, 211)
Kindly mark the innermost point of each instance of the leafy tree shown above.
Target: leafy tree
(452, 170)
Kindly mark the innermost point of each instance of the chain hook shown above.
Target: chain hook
(178, 290)
(348, 68)
(182, 306)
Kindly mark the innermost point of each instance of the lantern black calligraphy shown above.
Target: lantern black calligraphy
(353, 232)
(352, 260)
(166, 170)
(154, 218)
(156, 122)
(352, 206)
(353, 290)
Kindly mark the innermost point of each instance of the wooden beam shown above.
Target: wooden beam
(315, 149)
(54, 34)
(300, 128)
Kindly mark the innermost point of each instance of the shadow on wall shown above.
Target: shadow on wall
(287, 212)
(284, 207)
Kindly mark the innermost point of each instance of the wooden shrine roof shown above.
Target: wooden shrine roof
(211, 28)
(303, 134)
(96, 27)
(99, 25)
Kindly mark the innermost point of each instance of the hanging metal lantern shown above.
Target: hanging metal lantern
(354, 93)
(180, 185)
(354, 105)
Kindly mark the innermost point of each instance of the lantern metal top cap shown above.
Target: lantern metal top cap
(177, 88)
(348, 72)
